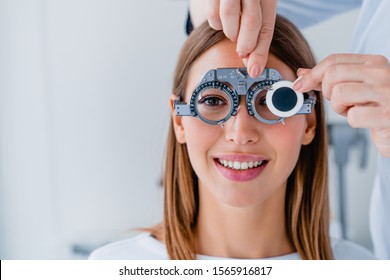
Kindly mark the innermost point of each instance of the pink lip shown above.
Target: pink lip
(240, 175)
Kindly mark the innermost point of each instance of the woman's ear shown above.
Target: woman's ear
(310, 131)
(177, 122)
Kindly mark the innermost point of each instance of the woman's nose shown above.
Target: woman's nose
(242, 128)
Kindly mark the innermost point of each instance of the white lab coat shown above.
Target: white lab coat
(372, 36)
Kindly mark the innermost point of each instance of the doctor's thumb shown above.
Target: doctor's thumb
(305, 81)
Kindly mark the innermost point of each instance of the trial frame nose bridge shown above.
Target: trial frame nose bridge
(239, 78)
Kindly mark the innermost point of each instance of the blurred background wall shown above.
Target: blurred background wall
(84, 89)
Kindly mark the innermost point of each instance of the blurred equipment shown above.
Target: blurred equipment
(343, 138)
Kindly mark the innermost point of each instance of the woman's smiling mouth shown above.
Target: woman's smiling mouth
(240, 168)
(240, 165)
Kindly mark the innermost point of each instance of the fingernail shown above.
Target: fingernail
(297, 85)
(255, 70)
(242, 54)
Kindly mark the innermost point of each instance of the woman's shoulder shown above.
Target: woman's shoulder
(347, 250)
(140, 247)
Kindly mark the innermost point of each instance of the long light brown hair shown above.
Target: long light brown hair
(306, 204)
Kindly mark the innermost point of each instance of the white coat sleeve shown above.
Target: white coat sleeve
(380, 210)
(305, 13)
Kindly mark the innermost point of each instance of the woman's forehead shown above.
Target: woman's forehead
(224, 55)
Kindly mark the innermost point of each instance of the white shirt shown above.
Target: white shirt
(145, 247)
(371, 36)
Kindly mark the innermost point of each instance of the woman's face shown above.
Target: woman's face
(263, 155)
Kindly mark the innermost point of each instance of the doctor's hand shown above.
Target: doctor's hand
(358, 87)
(250, 23)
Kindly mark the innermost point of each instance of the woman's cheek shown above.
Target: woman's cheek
(287, 138)
(200, 138)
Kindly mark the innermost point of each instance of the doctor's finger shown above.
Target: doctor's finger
(372, 117)
(346, 95)
(314, 77)
(250, 24)
(302, 71)
(258, 58)
(344, 73)
(297, 84)
(212, 13)
(230, 11)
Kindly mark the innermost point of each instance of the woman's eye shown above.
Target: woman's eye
(212, 101)
(263, 101)
(261, 98)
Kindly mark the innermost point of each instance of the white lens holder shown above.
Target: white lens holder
(282, 100)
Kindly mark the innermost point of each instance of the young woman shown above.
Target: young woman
(242, 189)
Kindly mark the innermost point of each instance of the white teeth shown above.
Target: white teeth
(240, 165)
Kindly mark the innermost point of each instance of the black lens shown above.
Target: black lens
(284, 99)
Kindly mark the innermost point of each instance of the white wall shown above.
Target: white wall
(83, 116)
(84, 108)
